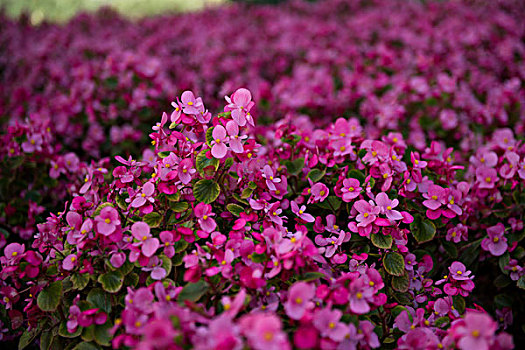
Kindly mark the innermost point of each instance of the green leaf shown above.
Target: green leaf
(394, 264)
(111, 281)
(228, 163)
(202, 162)
(88, 334)
(246, 193)
(166, 264)
(164, 154)
(423, 230)
(49, 297)
(450, 248)
(504, 261)
(152, 219)
(206, 191)
(459, 303)
(311, 276)
(80, 280)
(442, 321)
(100, 207)
(86, 346)
(315, 175)
(252, 185)
(46, 340)
(193, 291)
(502, 281)
(63, 332)
(102, 335)
(294, 166)
(381, 241)
(209, 136)
(356, 174)
(28, 337)
(521, 282)
(400, 283)
(180, 246)
(235, 209)
(99, 299)
(178, 207)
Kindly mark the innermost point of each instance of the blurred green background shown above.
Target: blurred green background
(62, 10)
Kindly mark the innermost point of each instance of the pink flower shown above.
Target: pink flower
(186, 170)
(474, 331)
(157, 333)
(141, 232)
(235, 140)
(361, 293)
(190, 104)
(351, 189)
(496, 242)
(270, 179)
(219, 149)
(387, 206)
(204, 214)
(240, 105)
(327, 322)
(70, 262)
(13, 253)
(300, 212)
(367, 212)
(144, 195)
(459, 272)
(299, 296)
(457, 233)
(486, 177)
(435, 198)
(108, 221)
(34, 143)
(319, 193)
(263, 331)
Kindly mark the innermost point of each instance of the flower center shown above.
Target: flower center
(277, 192)
(138, 324)
(371, 283)
(331, 325)
(475, 333)
(184, 171)
(293, 240)
(342, 149)
(144, 238)
(434, 197)
(488, 179)
(365, 215)
(73, 258)
(268, 336)
(350, 189)
(359, 295)
(190, 103)
(107, 221)
(298, 300)
(385, 176)
(223, 262)
(454, 234)
(205, 217)
(496, 239)
(218, 140)
(389, 208)
(143, 195)
(322, 193)
(301, 212)
(33, 142)
(459, 272)
(14, 254)
(451, 201)
(374, 153)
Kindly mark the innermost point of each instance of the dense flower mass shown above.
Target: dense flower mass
(365, 190)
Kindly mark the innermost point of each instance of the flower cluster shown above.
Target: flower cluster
(372, 198)
(227, 239)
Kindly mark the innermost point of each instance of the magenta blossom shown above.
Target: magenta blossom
(270, 179)
(367, 212)
(319, 193)
(351, 189)
(496, 242)
(186, 170)
(204, 214)
(70, 262)
(387, 206)
(240, 104)
(235, 140)
(486, 177)
(108, 221)
(435, 198)
(474, 331)
(299, 299)
(219, 148)
(300, 212)
(327, 322)
(141, 232)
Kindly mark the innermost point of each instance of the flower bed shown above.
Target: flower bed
(364, 192)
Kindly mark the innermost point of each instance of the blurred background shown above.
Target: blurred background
(62, 10)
